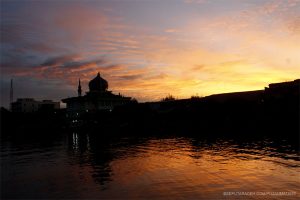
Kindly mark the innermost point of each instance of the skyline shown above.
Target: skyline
(148, 49)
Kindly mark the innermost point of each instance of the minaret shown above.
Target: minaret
(11, 93)
(79, 88)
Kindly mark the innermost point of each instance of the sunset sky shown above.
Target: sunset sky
(147, 49)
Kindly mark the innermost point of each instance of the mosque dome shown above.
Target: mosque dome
(98, 84)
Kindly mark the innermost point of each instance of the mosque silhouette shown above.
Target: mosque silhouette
(96, 99)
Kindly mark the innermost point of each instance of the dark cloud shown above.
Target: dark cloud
(58, 60)
(79, 64)
(130, 77)
(114, 67)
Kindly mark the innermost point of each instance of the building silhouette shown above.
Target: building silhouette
(284, 90)
(30, 105)
(96, 99)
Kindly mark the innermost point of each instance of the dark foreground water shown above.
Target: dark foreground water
(79, 166)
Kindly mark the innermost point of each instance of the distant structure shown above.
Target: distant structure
(29, 105)
(250, 96)
(11, 93)
(79, 88)
(277, 91)
(97, 98)
(284, 93)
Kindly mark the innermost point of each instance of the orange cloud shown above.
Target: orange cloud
(235, 51)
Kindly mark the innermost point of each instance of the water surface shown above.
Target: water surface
(173, 167)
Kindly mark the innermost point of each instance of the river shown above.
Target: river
(153, 167)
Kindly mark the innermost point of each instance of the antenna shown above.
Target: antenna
(11, 95)
(79, 88)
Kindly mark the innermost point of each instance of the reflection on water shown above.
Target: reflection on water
(78, 166)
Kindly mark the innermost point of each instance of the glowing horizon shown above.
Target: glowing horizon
(148, 49)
